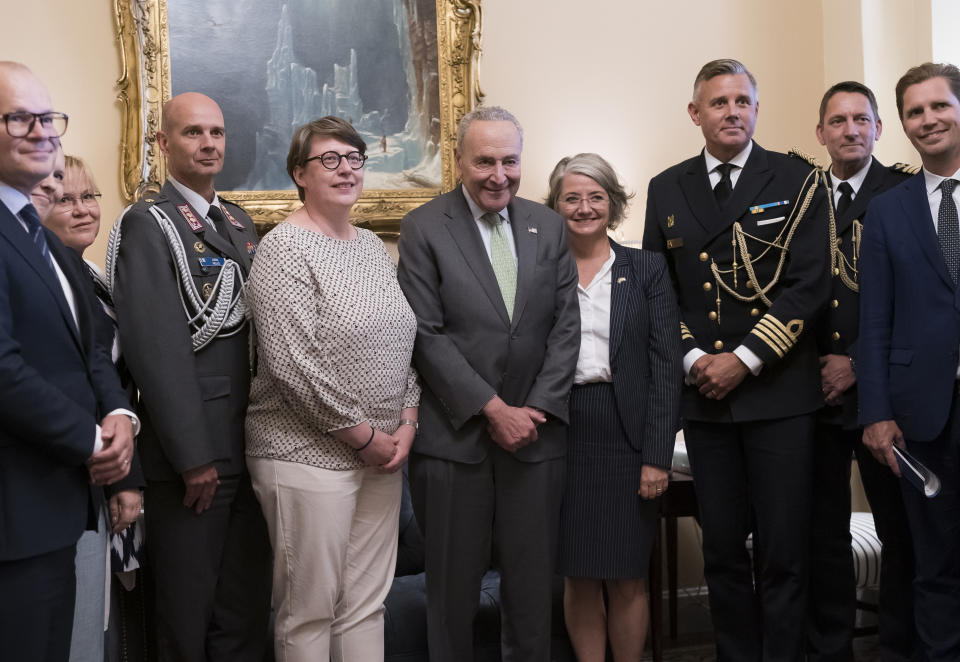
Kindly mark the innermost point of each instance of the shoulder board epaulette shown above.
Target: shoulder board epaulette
(803, 155)
(905, 168)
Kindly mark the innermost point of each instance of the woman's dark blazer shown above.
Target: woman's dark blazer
(645, 355)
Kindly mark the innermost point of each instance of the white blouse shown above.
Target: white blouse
(593, 364)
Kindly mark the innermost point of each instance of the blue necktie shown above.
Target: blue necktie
(35, 230)
(948, 231)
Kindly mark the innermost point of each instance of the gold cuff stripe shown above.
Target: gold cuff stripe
(791, 330)
(685, 332)
(772, 344)
(782, 338)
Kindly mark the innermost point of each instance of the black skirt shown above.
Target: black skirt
(606, 529)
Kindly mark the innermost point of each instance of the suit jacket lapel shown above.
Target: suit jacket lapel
(619, 294)
(695, 185)
(237, 240)
(917, 211)
(11, 229)
(465, 233)
(525, 234)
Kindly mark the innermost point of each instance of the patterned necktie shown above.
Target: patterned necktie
(504, 266)
(219, 222)
(35, 230)
(724, 187)
(846, 197)
(948, 230)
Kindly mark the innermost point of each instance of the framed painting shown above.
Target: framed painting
(402, 72)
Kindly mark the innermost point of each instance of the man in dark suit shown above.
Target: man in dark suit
(56, 384)
(848, 127)
(744, 232)
(189, 250)
(493, 286)
(907, 356)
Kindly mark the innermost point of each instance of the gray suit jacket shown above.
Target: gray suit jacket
(467, 348)
(192, 404)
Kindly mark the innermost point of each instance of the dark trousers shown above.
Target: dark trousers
(36, 606)
(755, 477)
(502, 505)
(832, 599)
(935, 524)
(212, 573)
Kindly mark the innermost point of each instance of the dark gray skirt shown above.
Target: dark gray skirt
(606, 529)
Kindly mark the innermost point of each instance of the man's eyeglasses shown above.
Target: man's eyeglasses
(86, 199)
(20, 124)
(331, 160)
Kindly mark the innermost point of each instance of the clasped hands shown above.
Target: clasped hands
(512, 428)
(112, 462)
(836, 376)
(715, 375)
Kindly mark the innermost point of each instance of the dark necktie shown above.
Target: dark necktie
(35, 230)
(219, 222)
(846, 197)
(724, 187)
(948, 230)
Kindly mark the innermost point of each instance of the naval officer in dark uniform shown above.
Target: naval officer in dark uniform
(744, 232)
(849, 125)
(179, 272)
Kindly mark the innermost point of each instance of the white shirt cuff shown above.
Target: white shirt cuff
(751, 360)
(97, 442)
(689, 359)
(134, 419)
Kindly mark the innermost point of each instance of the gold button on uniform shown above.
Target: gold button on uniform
(754, 312)
(718, 344)
(704, 257)
(707, 286)
(207, 290)
(836, 335)
(712, 315)
(835, 303)
(836, 271)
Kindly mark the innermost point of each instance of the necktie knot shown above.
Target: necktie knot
(846, 196)
(947, 186)
(724, 187)
(491, 219)
(34, 228)
(845, 188)
(219, 222)
(948, 229)
(30, 217)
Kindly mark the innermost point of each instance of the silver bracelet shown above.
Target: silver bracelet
(409, 421)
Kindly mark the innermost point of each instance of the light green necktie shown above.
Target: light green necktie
(504, 266)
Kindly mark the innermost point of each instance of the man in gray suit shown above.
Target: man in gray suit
(180, 268)
(493, 286)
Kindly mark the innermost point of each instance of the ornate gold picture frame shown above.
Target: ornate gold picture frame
(145, 85)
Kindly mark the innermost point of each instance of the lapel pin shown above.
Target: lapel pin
(670, 221)
(532, 230)
(622, 279)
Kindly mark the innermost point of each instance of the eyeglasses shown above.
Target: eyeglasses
(86, 199)
(331, 160)
(595, 201)
(21, 123)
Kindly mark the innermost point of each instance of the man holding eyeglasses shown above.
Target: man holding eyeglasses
(494, 289)
(64, 419)
(180, 267)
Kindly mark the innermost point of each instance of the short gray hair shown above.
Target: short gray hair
(722, 67)
(486, 114)
(599, 170)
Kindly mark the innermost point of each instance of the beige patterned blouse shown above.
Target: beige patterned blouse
(335, 340)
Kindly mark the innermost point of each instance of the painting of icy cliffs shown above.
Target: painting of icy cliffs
(274, 65)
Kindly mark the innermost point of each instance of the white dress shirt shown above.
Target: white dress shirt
(749, 358)
(485, 229)
(15, 201)
(197, 201)
(934, 195)
(855, 182)
(593, 363)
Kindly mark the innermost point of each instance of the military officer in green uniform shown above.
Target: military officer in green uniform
(744, 232)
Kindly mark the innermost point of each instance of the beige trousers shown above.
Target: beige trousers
(334, 536)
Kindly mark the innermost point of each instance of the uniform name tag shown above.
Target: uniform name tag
(675, 243)
(768, 221)
(211, 262)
